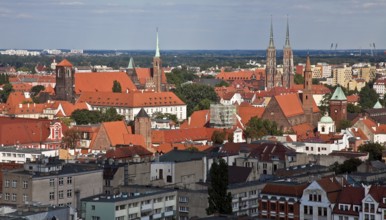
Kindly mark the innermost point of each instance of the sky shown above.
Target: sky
(191, 24)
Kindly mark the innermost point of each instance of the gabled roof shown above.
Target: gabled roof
(377, 105)
(116, 130)
(290, 104)
(378, 193)
(16, 98)
(198, 119)
(102, 82)
(303, 131)
(64, 62)
(349, 196)
(237, 174)
(338, 95)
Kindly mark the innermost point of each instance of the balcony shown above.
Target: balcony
(169, 213)
(147, 207)
(157, 216)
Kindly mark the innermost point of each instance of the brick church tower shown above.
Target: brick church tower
(307, 98)
(270, 69)
(338, 105)
(157, 69)
(142, 126)
(64, 88)
(288, 62)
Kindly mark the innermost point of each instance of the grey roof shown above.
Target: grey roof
(142, 114)
(181, 156)
(68, 168)
(23, 150)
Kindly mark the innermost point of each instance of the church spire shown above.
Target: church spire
(271, 44)
(287, 40)
(157, 54)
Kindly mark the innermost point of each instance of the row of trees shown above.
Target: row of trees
(84, 116)
(4, 78)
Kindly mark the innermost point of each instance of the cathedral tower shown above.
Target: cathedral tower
(288, 62)
(270, 69)
(64, 88)
(157, 69)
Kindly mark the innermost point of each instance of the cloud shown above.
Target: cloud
(68, 3)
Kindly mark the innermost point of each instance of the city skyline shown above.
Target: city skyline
(214, 25)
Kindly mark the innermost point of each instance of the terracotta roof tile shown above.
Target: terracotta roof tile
(284, 189)
(102, 82)
(64, 62)
(128, 152)
(198, 119)
(247, 112)
(290, 104)
(116, 130)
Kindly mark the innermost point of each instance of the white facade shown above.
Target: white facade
(319, 148)
(21, 155)
(380, 87)
(238, 136)
(315, 204)
(236, 99)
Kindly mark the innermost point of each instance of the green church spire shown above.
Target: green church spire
(157, 53)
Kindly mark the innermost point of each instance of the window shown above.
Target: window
(184, 209)
(7, 196)
(52, 196)
(14, 183)
(60, 181)
(273, 206)
(69, 180)
(13, 196)
(25, 184)
(6, 183)
(120, 218)
(95, 218)
(69, 193)
(183, 199)
(25, 197)
(52, 182)
(60, 194)
(290, 208)
(93, 207)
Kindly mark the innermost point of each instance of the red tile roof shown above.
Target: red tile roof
(64, 62)
(241, 75)
(352, 98)
(198, 119)
(23, 131)
(246, 112)
(303, 131)
(102, 82)
(290, 104)
(16, 98)
(144, 74)
(116, 130)
(135, 99)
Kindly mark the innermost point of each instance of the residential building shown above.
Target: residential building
(281, 200)
(22, 155)
(51, 182)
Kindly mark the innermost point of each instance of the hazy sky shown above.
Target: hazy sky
(191, 24)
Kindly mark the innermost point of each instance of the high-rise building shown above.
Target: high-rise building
(288, 62)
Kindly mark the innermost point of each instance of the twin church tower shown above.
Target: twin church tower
(273, 77)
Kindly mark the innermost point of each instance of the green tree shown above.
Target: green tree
(84, 116)
(111, 114)
(222, 83)
(71, 138)
(220, 200)
(374, 149)
(160, 115)
(257, 128)
(343, 124)
(351, 108)
(367, 97)
(36, 89)
(348, 166)
(180, 75)
(298, 79)
(218, 137)
(117, 87)
(203, 104)
(4, 94)
(193, 94)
